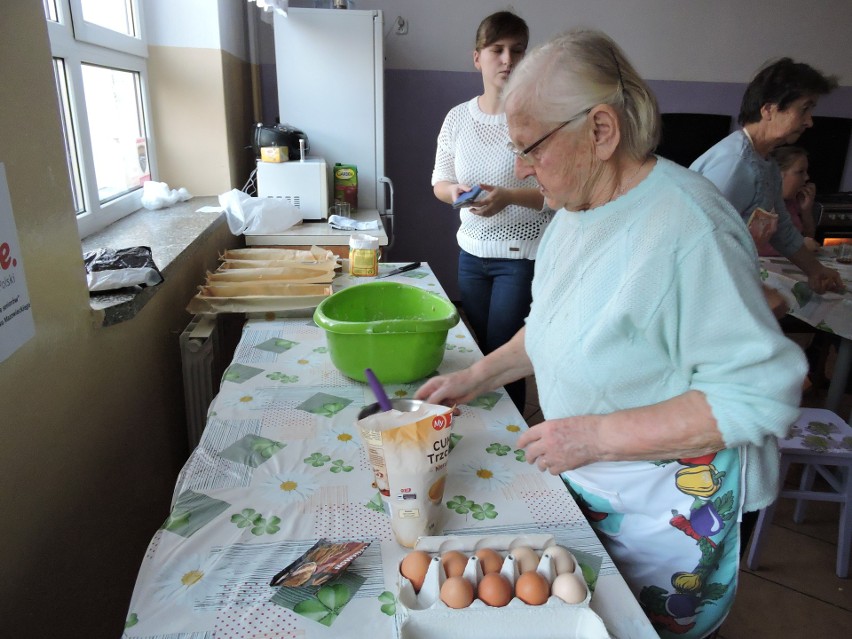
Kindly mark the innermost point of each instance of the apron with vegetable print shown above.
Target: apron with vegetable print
(671, 529)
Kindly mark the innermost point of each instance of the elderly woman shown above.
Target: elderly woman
(663, 376)
(776, 109)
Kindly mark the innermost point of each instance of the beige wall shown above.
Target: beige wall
(239, 116)
(196, 120)
(92, 429)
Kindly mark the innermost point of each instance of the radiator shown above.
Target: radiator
(200, 356)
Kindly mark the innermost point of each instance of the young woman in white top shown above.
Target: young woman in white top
(500, 231)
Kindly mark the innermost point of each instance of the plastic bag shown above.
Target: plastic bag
(256, 215)
(348, 224)
(109, 269)
(409, 451)
(156, 195)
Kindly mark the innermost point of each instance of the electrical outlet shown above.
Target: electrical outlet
(400, 25)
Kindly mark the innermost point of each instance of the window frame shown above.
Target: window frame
(78, 42)
(107, 38)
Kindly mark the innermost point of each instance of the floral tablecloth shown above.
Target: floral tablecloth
(830, 312)
(280, 465)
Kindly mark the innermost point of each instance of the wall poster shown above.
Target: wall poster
(16, 316)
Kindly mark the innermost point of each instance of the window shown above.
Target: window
(99, 57)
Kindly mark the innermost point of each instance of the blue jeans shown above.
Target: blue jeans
(496, 296)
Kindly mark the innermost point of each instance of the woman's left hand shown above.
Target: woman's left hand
(496, 199)
(682, 426)
(825, 280)
(812, 245)
(557, 445)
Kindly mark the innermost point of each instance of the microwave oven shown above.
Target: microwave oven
(302, 183)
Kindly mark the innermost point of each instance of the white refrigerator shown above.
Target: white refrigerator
(330, 72)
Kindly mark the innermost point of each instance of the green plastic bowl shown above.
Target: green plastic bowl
(398, 331)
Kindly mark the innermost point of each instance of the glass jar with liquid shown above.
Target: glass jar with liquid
(363, 255)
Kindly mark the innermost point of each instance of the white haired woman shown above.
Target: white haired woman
(662, 375)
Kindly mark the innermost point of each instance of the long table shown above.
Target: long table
(280, 465)
(830, 312)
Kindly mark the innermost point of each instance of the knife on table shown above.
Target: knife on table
(401, 269)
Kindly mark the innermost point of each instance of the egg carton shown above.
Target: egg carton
(422, 615)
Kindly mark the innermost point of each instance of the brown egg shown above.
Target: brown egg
(457, 592)
(495, 590)
(454, 563)
(414, 566)
(491, 560)
(532, 588)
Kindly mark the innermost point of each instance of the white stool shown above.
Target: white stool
(823, 443)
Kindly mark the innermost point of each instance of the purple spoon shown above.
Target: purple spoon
(378, 391)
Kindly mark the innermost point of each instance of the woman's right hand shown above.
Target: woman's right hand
(508, 363)
(456, 191)
(762, 230)
(452, 389)
(806, 196)
(449, 192)
(777, 302)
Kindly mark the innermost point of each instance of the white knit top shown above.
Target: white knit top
(472, 150)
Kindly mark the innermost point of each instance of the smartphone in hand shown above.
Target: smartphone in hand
(467, 199)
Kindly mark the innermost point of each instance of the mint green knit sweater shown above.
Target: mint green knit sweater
(655, 294)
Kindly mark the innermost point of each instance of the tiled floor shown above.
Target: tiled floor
(795, 593)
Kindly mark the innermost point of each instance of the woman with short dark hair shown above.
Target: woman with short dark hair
(776, 109)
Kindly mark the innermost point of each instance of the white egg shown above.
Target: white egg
(563, 560)
(526, 558)
(569, 588)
